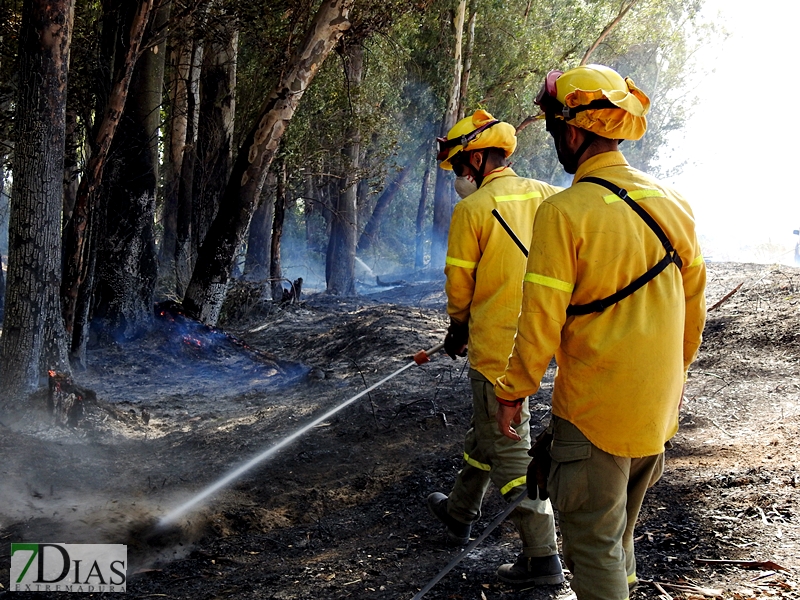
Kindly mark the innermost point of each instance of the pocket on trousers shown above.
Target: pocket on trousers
(568, 482)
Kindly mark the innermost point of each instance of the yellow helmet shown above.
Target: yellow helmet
(481, 130)
(598, 99)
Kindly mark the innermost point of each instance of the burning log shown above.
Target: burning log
(65, 399)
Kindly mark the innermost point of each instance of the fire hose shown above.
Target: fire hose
(420, 358)
(472, 545)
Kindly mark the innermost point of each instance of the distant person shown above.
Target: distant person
(484, 270)
(614, 288)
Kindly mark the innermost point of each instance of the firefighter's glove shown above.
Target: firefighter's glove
(539, 467)
(455, 342)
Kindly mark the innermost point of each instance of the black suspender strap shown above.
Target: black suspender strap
(670, 257)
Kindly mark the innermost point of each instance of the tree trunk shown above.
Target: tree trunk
(180, 67)
(71, 171)
(207, 289)
(275, 273)
(77, 250)
(184, 259)
(419, 255)
(462, 96)
(33, 338)
(340, 269)
(126, 258)
(256, 264)
(442, 203)
(214, 146)
(385, 199)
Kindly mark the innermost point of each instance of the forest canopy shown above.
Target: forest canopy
(159, 150)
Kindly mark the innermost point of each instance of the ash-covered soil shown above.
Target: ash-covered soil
(340, 512)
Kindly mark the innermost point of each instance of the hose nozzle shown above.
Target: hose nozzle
(423, 356)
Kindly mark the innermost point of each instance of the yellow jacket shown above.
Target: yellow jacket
(621, 371)
(484, 267)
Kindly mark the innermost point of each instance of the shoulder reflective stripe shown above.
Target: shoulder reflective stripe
(550, 282)
(518, 197)
(634, 195)
(512, 484)
(457, 262)
(475, 463)
(697, 261)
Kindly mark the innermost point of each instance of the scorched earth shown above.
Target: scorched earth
(340, 512)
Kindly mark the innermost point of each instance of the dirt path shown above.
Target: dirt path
(340, 513)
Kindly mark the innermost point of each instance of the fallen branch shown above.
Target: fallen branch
(725, 297)
(747, 564)
(683, 588)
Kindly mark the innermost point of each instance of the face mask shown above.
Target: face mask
(465, 185)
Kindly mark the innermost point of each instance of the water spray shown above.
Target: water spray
(420, 358)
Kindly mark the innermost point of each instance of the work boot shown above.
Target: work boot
(532, 570)
(457, 532)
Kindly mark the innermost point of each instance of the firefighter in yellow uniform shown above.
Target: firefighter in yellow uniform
(614, 288)
(484, 271)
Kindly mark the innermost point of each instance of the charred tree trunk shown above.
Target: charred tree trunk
(126, 268)
(78, 252)
(275, 272)
(385, 199)
(180, 67)
(215, 129)
(71, 172)
(207, 289)
(256, 263)
(340, 269)
(34, 339)
(419, 255)
(442, 203)
(186, 203)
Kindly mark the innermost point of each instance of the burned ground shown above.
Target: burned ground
(340, 512)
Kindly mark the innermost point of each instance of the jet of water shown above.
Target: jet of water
(171, 517)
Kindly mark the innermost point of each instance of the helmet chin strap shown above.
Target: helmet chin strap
(571, 165)
(482, 173)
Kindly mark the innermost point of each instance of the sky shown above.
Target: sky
(742, 142)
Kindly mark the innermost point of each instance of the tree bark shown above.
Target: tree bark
(126, 268)
(256, 262)
(275, 272)
(462, 96)
(207, 288)
(442, 203)
(34, 339)
(370, 232)
(214, 146)
(180, 66)
(419, 255)
(76, 260)
(186, 200)
(340, 270)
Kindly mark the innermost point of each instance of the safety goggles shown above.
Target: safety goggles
(549, 87)
(445, 145)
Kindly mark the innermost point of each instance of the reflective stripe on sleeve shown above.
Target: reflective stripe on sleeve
(478, 465)
(697, 261)
(518, 197)
(632, 578)
(634, 195)
(512, 484)
(457, 262)
(550, 282)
